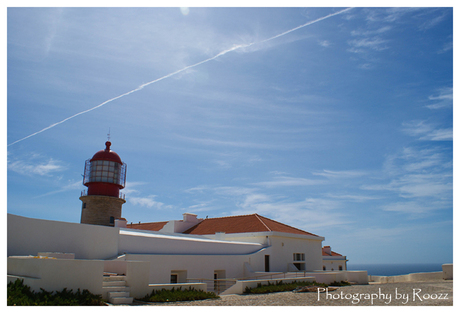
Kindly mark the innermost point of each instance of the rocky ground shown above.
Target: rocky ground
(435, 293)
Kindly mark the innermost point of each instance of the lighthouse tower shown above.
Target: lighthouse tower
(105, 176)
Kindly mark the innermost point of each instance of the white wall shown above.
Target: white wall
(334, 264)
(57, 274)
(281, 247)
(197, 266)
(159, 243)
(27, 236)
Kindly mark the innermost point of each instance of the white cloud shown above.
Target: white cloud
(360, 45)
(421, 179)
(324, 43)
(339, 174)
(74, 185)
(410, 207)
(309, 214)
(427, 131)
(149, 202)
(443, 99)
(35, 167)
(285, 181)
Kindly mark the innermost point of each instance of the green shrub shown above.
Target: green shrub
(339, 284)
(174, 295)
(20, 294)
(280, 287)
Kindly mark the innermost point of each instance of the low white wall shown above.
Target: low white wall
(57, 274)
(407, 278)
(448, 271)
(183, 286)
(240, 286)
(137, 278)
(358, 277)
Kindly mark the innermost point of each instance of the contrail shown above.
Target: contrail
(236, 47)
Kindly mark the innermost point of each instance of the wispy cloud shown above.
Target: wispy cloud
(149, 202)
(310, 214)
(427, 131)
(421, 179)
(373, 32)
(286, 181)
(443, 99)
(73, 185)
(227, 143)
(365, 44)
(448, 46)
(354, 197)
(433, 21)
(234, 47)
(339, 174)
(409, 207)
(36, 166)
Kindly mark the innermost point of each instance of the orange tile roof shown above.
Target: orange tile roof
(242, 224)
(156, 226)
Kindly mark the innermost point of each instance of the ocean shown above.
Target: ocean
(395, 269)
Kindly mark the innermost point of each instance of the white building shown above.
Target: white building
(120, 261)
(55, 255)
(333, 261)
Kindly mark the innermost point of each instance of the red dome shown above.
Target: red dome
(107, 154)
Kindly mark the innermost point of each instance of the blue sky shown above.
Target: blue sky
(335, 121)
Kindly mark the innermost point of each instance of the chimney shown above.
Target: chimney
(189, 217)
(121, 222)
(327, 249)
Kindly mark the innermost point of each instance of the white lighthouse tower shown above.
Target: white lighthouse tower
(105, 176)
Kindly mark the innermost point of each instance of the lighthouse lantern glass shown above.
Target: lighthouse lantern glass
(106, 171)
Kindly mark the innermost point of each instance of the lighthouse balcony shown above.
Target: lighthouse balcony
(120, 194)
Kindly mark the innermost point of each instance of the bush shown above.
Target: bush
(173, 295)
(280, 287)
(339, 284)
(20, 294)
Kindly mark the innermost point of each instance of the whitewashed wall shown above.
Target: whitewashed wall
(57, 274)
(28, 236)
(153, 242)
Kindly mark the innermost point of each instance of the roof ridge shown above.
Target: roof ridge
(289, 226)
(257, 215)
(230, 216)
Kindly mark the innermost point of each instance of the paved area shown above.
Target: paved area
(435, 293)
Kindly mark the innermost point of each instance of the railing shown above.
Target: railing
(120, 195)
(215, 285)
(221, 284)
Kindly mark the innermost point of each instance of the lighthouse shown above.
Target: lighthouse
(105, 176)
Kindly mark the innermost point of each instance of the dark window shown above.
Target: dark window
(173, 278)
(83, 206)
(267, 263)
(112, 220)
(300, 266)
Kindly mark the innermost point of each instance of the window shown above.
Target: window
(174, 278)
(324, 268)
(299, 256)
(105, 171)
(340, 268)
(83, 206)
(112, 220)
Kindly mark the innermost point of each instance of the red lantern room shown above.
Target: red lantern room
(105, 173)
